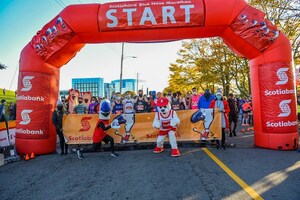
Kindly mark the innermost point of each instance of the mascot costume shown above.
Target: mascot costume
(103, 125)
(166, 120)
(72, 99)
(87, 97)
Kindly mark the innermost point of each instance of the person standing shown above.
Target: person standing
(80, 108)
(2, 115)
(175, 102)
(205, 99)
(233, 114)
(93, 105)
(194, 99)
(224, 109)
(141, 103)
(117, 106)
(57, 117)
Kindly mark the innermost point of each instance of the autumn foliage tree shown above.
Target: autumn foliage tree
(209, 63)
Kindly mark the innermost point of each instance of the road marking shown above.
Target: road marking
(235, 177)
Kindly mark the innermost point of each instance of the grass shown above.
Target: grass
(9, 96)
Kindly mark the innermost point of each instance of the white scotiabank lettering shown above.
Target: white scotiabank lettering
(32, 132)
(278, 92)
(30, 98)
(168, 15)
(282, 124)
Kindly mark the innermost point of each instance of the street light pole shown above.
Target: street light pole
(121, 71)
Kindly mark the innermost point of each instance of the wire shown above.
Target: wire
(13, 77)
(59, 3)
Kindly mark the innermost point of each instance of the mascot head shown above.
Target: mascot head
(105, 109)
(163, 105)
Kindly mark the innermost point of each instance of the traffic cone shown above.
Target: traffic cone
(27, 157)
(32, 155)
(243, 130)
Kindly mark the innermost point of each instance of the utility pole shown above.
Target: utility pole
(121, 72)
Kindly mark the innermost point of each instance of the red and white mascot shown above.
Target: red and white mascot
(166, 120)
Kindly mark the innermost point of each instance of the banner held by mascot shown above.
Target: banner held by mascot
(166, 120)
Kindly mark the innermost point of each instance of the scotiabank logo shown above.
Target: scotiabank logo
(85, 124)
(283, 78)
(285, 108)
(25, 117)
(26, 83)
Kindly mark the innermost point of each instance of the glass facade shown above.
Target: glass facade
(127, 85)
(93, 85)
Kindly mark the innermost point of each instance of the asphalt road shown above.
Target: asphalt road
(142, 175)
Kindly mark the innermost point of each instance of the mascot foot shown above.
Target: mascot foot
(175, 153)
(158, 150)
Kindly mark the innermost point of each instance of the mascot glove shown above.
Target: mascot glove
(173, 123)
(156, 124)
(115, 124)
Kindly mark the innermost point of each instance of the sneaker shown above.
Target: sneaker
(234, 133)
(125, 138)
(114, 154)
(158, 150)
(79, 154)
(175, 153)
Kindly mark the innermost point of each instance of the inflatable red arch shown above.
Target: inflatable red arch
(244, 29)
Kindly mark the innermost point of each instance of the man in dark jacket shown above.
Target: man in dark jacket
(57, 117)
(233, 114)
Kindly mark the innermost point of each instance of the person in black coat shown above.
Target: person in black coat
(233, 114)
(57, 118)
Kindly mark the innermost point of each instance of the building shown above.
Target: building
(93, 85)
(127, 84)
(64, 93)
(108, 89)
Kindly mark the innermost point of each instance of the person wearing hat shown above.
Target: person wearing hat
(233, 114)
(223, 107)
(57, 117)
(205, 99)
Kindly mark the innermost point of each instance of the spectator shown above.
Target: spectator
(10, 111)
(169, 96)
(4, 91)
(16, 92)
(182, 101)
(2, 115)
(80, 108)
(233, 114)
(194, 99)
(188, 98)
(113, 96)
(205, 99)
(93, 106)
(57, 117)
(175, 102)
(65, 104)
(224, 109)
(117, 106)
(141, 103)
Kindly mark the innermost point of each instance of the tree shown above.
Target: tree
(2, 66)
(208, 63)
(286, 16)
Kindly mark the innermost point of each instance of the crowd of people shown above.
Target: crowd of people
(232, 108)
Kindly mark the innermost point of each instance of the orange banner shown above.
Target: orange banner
(6, 140)
(78, 129)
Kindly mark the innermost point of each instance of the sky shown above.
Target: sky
(20, 20)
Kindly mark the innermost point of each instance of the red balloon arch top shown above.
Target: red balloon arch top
(243, 28)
